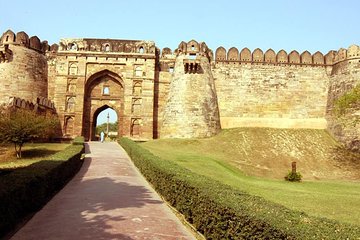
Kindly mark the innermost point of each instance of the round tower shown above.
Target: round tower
(23, 67)
(191, 110)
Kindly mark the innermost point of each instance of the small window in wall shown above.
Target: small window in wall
(73, 69)
(107, 48)
(192, 56)
(171, 69)
(73, 46)
(192, 48)
(138, 72)
(137, 88)
(141, 50)
(106, 90)
(70, 105)
(7, 38)
(135, 128)
(69, 126)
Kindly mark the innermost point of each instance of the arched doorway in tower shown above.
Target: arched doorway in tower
(105, 120)
(103, 90)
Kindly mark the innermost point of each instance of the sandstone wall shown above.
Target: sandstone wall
(81, 70)
(344, 77)
(264, 95)
(24, 75)
(191, 109)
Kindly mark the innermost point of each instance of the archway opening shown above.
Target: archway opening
(103, 90)
(106, 121)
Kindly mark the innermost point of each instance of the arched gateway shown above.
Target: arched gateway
(104, 89)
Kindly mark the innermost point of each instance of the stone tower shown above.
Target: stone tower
(191, 110)
(23, 67)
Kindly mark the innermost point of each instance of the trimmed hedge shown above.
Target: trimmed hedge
(26, 190)
(219, 211)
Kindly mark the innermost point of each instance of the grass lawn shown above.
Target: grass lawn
(238, 157)
(31, 153)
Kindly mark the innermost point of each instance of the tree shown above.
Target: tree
(21, 126)
(113, 127)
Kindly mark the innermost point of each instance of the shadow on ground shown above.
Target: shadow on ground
(86, 215)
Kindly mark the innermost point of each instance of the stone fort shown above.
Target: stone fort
(187, 92)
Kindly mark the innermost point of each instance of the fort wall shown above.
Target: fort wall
(251, 88)
(263, 95)
(191, 109)
(344, 77)
(23, 67)
(84, 68)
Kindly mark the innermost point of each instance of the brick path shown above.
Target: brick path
(107, 199)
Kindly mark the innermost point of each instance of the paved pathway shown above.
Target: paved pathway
(107, 199)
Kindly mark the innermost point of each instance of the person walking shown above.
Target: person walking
(102, 135)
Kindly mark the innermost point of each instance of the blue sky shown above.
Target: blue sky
(313, 25)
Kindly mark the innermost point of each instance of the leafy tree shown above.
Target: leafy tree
(113, 127)
(21, 126)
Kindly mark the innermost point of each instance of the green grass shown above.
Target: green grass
(32, 153)
(221, 157)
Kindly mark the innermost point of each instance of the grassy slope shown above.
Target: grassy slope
(32, 152)
(269, 152)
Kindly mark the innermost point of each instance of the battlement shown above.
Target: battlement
(22, 39)
(352, 53)
(106, 45)
(41, 105)
(270, 57)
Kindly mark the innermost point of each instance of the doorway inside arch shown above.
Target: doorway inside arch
(106, 121)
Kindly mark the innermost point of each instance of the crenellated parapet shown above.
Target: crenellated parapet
(106, 46)
(270, 57)
(22, 39)
(352, 53)
(41, 104)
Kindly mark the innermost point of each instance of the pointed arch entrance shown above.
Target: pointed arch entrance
(104, 89)
(95, 118)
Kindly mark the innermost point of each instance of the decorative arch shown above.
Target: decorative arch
(70, 104)
(270, 56)
(245, 55)
(220, 54)
(104, 73)
(135, 127)
(353, 51)
(73, 69)
(294, 57)
(342, 54)
(330, 57)
(95, 101)
(306, 58)
(8, 37)
(35, 43)
(22, 38)
(233, 54)
(258, 55)
(95, 113)
(193, 46)
(166, 51)
(282, 57)
(318, 58)
(69, 126)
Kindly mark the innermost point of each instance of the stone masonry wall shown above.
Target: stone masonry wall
(191, 109)
(25, 75)
(344, 77)
(79, 74)
(263, 95)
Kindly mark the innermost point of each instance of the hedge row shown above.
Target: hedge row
(26, 190)
(220, 212)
